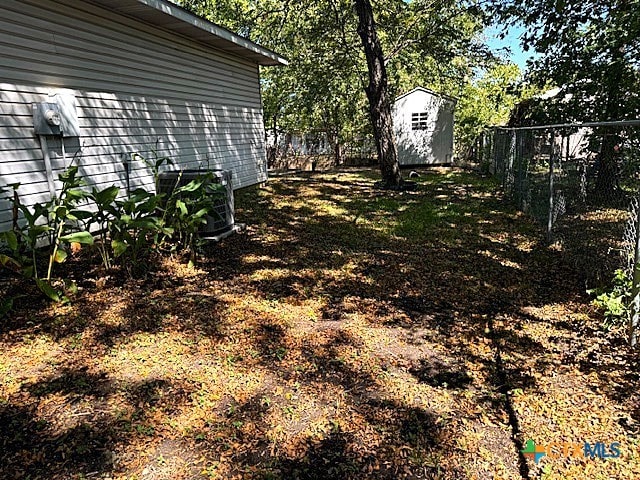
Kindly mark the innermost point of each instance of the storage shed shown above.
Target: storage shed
(423, 123)
(112, 78)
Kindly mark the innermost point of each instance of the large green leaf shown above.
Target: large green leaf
(181, 206)
(201, 213)
(11, 239)
(148, 206)
(37, 230)
(61, 256)
(69, 174)
(6, 304)
(149, 223)
(10, 263)
(84, 238)
(139, 194)
(192, 186)
(76, 194)
(80, 215)
(48, 290)
(106, 196)
(119, 247)
(61, 211)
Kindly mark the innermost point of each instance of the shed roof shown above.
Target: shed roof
(171, 17)
(422, 89)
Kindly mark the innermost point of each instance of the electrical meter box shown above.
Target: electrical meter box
(56, 117)
(46, 118)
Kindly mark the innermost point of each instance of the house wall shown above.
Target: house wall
(432, 145)
(135, 87)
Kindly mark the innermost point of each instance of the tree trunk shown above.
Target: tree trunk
(606, 181)
(379, 106)
(336, 146)
(337, 153)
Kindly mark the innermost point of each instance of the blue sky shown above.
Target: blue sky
(512, 42)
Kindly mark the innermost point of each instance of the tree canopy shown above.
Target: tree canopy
(488, 100)
(433, 44)
(590, 49)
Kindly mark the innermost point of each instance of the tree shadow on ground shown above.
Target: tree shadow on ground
(444, 284)
(85, 438)
(408, 431)
(333, 458)
(439, 374)
(29, 449)
(453, 277)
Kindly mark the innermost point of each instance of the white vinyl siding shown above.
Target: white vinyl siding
(134, 85)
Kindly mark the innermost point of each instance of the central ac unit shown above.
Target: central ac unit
(221, 219)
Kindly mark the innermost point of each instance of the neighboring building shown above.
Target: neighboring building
(314, 143)
(573, 144)
(125, 77)
(423, 123)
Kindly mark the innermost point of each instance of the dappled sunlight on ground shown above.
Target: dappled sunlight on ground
(349, 333)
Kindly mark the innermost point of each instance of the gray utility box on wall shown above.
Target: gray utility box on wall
(46, 119)
(222, 221)
(56, 117)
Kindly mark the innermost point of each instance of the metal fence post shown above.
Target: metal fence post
(512, 161)
(492, 149)
(508, 151)
(521, 170)
(552, 159)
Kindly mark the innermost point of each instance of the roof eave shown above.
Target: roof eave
(428, 90)
(171, 17)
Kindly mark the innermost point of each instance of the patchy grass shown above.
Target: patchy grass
(350, 333)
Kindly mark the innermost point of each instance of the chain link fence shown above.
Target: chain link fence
(582, 183)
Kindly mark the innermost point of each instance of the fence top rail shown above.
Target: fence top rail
(614, 123)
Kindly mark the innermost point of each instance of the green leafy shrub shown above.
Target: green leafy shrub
(13, 254)
(103, 217)
(64, 217)
(48, 229)
(129, 230)
(616, 301)
(186, 210)
(135, 229)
